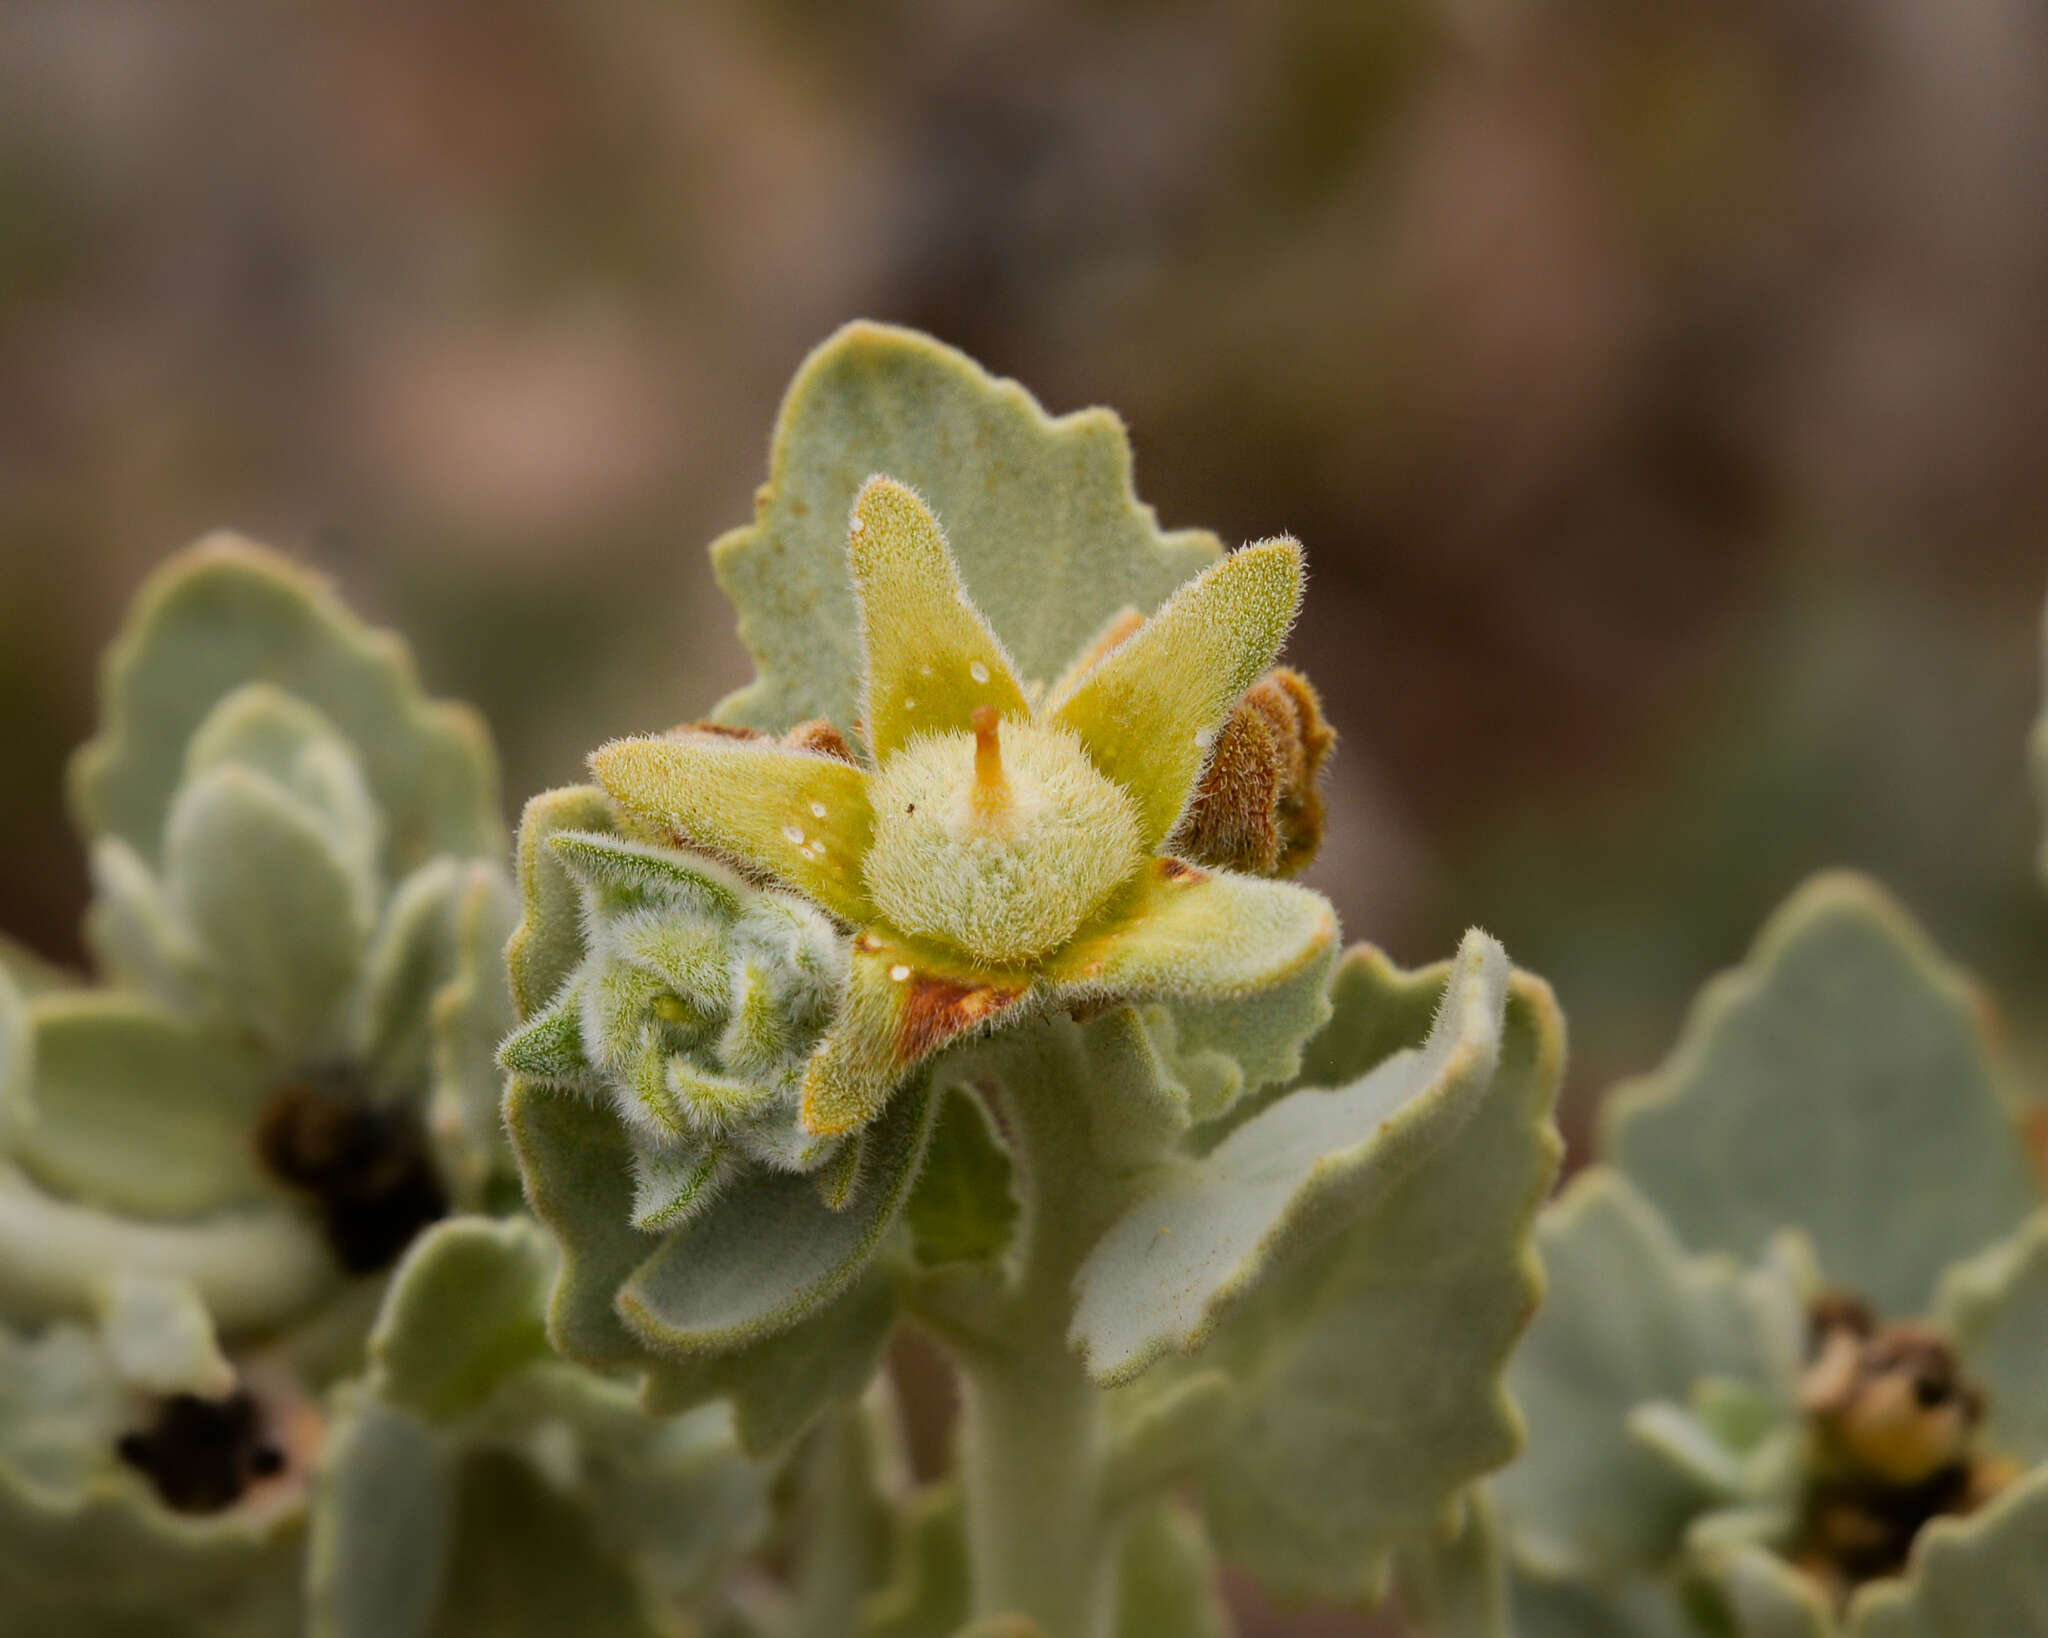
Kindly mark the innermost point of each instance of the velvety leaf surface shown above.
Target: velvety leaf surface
(1627, 1319)
(1841, 1082)
(963, 1209)
(1766, 1597)
(1454, 1584)
(1296, 1173)
(271, 907)
(1985, 1576)
(137, 1109)
(1371, 1365)
(1996, 1308)
(464, 1312)
(929, 1589)
(548, 942)
(1166, 1578)
(770, 1251)
(1050, 538)
(382, 1524)
(1632, 1607)
(228, 613)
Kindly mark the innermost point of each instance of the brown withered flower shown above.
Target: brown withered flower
(1259, 807)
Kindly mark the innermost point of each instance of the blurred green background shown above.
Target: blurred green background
(1659, 388)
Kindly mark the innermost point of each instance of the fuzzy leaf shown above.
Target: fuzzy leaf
(137, 1109)
(547, 945)
(779, 1387)
(931, 658)
(623, 875)
(1996, 1308)
(465, 1310)
(1627, 1319)
(1050, 539)
(1166, 1578)
(87, 1551)
(769, 1252)
(549, 1046)
(160, 1337)
(410, 956)
(1147, 711)
(1370, 1367)
(963, 1209)
(470, 1016)
(1455, 1584)
(1840, 1082)
(253, 1269)
(1985, 1576)
(269, 904)
(1636, 1607)
(578, 1165)
(381, 1526)
(795, 815)
(929, 1591)
(17, 1059)
(228, 613)
(134, 935)
(1303, 1170)
(1766, 1597)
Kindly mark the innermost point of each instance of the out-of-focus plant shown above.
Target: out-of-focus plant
(1790, 1376)
(212, 1160)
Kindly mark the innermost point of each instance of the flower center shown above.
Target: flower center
(1001, 842)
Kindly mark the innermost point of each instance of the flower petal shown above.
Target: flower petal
(804, 819)
(931, 657)
(900, 1008)
(1192, 934)
(1147, 710)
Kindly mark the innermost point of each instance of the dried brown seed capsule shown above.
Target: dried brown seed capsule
(1259, 807)
(1892, 1420)
(201, 1454)
(366, 1165)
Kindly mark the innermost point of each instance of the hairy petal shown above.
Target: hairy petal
(802, 819)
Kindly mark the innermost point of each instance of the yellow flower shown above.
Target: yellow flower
(997, 855)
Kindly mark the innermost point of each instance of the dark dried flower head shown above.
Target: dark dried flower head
(202, 1454)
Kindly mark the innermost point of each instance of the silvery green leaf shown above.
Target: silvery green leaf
(86, 1549)
(254, 1268)
(465, 1311)
(264, 729)
(469, 1017)
(577, 1159)
(411, 954)
(1370, 1366)
(1635, 1606)
(1840, 1082)
(1996, 1308)
(1765, 1597)
(780, 1387)
(138, 1109)
(378, 1553)
(135, 937)
(1166, 1578)
(769, 1251)
(160, 1338)
(270, 906)
(1163, 1431)
(1454, 1584)
(1984, 1576)
(17, 1059)
(1627, 1320)
(964, 1208)
(1286, 1180)
(548, 944)
(1050, 552)
(228, 613)
(928, 1592)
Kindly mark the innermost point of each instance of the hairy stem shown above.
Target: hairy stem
(1034, 1436)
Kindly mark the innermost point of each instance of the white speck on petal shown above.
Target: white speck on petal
(817, 810)
(909, 704)
(857, 526)
(792, 835)
(924, 671)
(978, 671)
(899, 972)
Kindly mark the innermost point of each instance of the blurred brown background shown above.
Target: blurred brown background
(1660, 387)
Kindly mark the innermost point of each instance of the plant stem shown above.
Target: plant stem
(1034, 1433)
